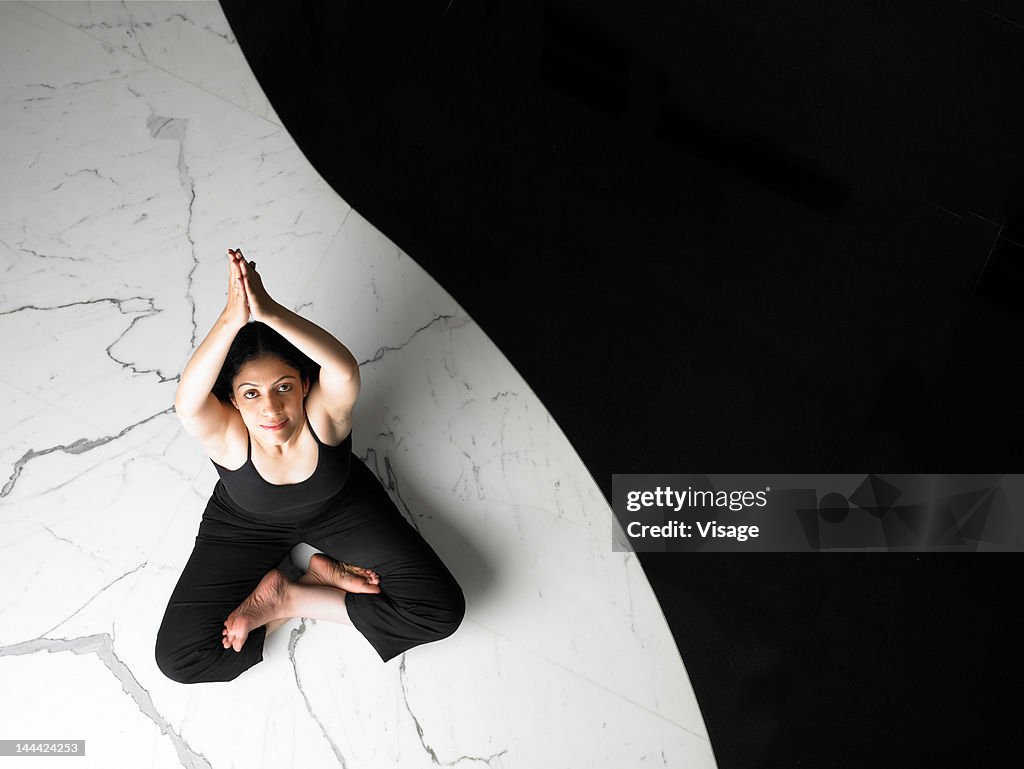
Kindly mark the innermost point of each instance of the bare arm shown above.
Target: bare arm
(200, 411)
(338, 385)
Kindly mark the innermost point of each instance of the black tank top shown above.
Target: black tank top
(245, 490)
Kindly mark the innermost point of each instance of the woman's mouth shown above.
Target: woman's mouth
(274, 426)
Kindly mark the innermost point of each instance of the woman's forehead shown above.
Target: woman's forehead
(267, 367)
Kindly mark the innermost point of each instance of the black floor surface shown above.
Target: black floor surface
(721, 237)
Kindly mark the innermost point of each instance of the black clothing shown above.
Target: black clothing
(247, 494)
(248, 528)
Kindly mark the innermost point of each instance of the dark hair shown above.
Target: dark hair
(254, 340)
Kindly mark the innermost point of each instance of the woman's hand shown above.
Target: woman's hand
(260, 303)
(236, 312)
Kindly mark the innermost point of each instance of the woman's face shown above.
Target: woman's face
(269, 395)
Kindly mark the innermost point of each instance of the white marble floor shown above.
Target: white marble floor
(136, 147)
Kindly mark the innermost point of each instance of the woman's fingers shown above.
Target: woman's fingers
(239, 258)
(237, 309)
(238, 268)
(236, 256)
(233, 274)
(236, 275)
(249, 282)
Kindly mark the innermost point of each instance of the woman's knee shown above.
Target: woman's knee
(438, 613)
(198, 666)
(171, 663)
(453, 610)
(187, 656)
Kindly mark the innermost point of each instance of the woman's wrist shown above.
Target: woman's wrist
(274, 312)
(229, 323)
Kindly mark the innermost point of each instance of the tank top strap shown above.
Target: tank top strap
(319, 442)
(311, 432)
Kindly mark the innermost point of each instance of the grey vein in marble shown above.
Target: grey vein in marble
(123, 306)
(403, 677)
(293, 641)
(390, 482)
(77, 447)
(102, 645)
(82, 550)
(98, 593)
(387, 348)
(173, 129)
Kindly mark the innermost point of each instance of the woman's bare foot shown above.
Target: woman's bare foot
(263, 604)
(324, 570)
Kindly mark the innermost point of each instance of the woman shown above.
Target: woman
(271, 402)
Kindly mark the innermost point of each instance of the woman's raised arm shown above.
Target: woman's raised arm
(198, 408)
(339, 370)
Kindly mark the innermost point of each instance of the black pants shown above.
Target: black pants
(420, 601)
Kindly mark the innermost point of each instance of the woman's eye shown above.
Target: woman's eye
(250, 392)
(285, 387)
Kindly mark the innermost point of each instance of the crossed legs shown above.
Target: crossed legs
(215, 622)
(318, 594)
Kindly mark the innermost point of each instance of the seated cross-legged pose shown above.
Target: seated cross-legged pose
(271, 402)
